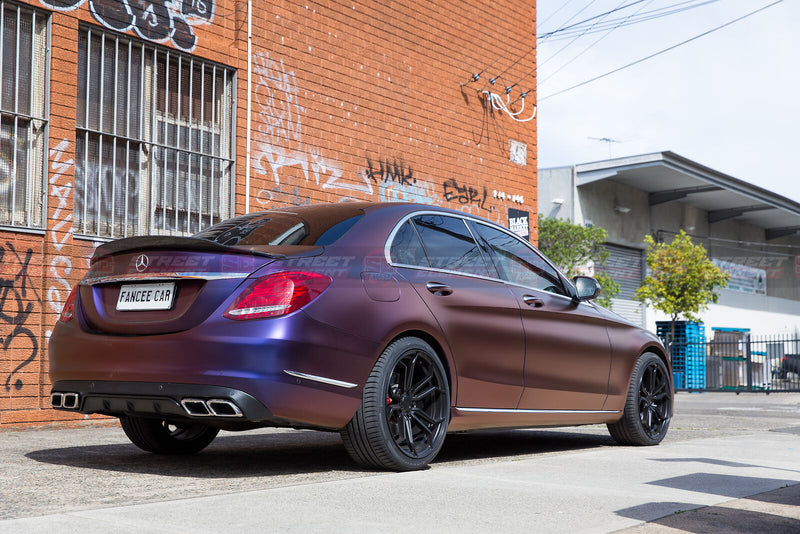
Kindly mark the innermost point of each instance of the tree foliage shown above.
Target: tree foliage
(682, 279)
(573, 247)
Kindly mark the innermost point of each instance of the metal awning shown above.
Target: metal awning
(668, 177)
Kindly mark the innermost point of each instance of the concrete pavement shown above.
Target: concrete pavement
(730, 464)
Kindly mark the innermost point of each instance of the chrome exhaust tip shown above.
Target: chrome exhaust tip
(211, 407)
(223, 408)
(56, 400)
(196, 407)
(70, 401)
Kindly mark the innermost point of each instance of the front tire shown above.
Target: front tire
(405, 409)
(163, 437)
(648, 408)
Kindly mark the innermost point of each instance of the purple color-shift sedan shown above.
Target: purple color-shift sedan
(390, 323)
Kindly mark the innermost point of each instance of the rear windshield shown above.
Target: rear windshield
(313, 225)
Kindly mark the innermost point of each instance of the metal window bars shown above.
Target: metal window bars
(154, 150)
(23, 111)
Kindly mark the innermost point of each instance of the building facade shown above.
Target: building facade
(137, 117)
(748, 231)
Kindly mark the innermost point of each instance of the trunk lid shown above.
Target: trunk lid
(157, 285)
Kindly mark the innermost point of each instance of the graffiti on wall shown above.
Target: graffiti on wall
(396, 183)
(60, 265)
(159, 21)
(278, 135)
(17, 304)
(465, 195)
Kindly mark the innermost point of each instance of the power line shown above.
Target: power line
(651, 56)
(565, 65)
(629, 20)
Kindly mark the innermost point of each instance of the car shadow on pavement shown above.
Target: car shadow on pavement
(505, 443)
(299, 452)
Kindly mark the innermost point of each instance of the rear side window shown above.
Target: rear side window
(449, 244)
(316, 226)
(517, 263)
(406, 247)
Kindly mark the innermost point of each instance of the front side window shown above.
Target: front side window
(517, 263)
(23, 111)
(154, 139)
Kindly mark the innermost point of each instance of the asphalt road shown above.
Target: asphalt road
(729, 464)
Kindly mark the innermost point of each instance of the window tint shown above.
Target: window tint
(449, 244)
(517, 263)
(406, 247)
(305, 226)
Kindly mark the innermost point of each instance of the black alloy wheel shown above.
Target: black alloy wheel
(648, 408)
(402, 421)
(655, 400)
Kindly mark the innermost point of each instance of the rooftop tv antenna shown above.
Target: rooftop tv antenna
(606, 140)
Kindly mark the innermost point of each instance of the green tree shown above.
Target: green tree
(682, 279)
(572, 247)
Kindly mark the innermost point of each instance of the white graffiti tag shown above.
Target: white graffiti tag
(60, 266)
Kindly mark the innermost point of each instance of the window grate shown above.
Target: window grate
(23, 110)
(154, 149)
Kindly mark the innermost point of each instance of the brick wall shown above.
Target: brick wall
(359, 99)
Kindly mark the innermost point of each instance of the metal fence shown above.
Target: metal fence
(737, 361)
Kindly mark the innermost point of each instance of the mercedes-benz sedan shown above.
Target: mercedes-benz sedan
(389, 323)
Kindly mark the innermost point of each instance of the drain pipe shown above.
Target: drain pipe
(249, 104)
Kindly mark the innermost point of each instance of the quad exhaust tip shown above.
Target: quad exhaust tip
(66, 401)
(211, 407)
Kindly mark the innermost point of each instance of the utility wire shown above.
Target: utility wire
(651, 56)
(585, 30)
(644, 17)
(562, 67)
(576, 27)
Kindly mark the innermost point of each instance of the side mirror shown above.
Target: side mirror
(586, 287)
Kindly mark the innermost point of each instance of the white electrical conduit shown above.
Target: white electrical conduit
(498, 104)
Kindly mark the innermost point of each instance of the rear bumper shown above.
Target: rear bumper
(288, 371)
(163, 400)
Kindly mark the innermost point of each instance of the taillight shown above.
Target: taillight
(277, 294)
(68, 311)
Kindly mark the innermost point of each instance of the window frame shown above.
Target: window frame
(469, 220)
(165, 205)
(37, 165)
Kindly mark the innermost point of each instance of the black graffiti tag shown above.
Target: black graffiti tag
(395, 172)
(15, 309)
(154, 20)
(464, 194)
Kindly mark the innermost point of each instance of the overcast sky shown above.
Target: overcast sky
(729, 100)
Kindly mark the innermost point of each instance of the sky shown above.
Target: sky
(729, 100)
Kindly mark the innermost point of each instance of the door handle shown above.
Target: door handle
(439, 289)
(530, 300)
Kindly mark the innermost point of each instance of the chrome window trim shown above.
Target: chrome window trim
(321, 379)
(173, 275)
(525, 411)
(388, 245)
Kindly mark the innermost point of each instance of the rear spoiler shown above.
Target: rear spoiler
(171, 242)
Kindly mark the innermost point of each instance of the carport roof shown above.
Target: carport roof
(668, 177)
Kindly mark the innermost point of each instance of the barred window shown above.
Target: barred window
(154, 139)
(23, 108)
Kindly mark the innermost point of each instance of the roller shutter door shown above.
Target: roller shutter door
(624, 265)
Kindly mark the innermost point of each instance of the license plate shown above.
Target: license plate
(137, 297)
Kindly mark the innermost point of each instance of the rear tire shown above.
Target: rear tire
(163, 437)
(648, 408)
(405, 409)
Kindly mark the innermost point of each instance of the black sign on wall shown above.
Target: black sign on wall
(519, 222)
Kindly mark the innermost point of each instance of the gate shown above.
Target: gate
(735, 360)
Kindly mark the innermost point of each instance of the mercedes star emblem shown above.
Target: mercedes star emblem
(142, 262)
